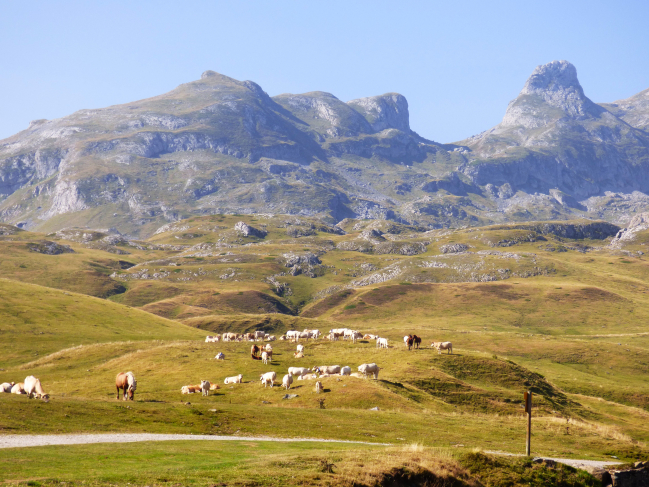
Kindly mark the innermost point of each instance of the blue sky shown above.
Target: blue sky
(457, 63)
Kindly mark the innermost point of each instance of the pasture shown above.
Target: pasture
(569, 325)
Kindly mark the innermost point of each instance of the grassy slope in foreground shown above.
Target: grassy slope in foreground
(37, 321)
(268, 463)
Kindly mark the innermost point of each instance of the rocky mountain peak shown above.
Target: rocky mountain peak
(209, 74)
(384, 111)
(550, 93)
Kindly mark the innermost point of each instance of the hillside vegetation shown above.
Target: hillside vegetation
(558, 308)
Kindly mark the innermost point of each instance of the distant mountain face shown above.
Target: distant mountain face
(218, 145)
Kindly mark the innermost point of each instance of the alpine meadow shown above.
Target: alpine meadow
(319, 295)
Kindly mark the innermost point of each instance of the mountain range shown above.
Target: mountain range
(218, 145)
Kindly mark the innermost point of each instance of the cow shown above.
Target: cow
(356, 335)
(318, 387)
(205, 387)
(270, 338)
(345, 370)
(269, 348)
(367, 336)
(233, 380)
(287, 381)
(268, 378)
(254, 350)
(300, 348)
(308, 377)
(298, 355)
(190, 389)
(259, 335)
(34, 389)
(220, 356)
(327, 369)
(315, 334)
(298, 371)
(211, 339)
(366, 369)
(214, 386)
(18, 388)
(405, 340)
(358, 375)
(416, 341)
(6, 386)
(293, 335)
(381, 343)
(264, 358)
(442, 346)
(126, 382)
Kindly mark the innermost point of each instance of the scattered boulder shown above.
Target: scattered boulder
(454, 248)
(307, 258)
(247, 231)
(49, 248)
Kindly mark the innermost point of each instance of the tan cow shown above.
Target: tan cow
(34, 389)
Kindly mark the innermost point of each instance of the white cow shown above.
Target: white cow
(268, 378)
(356, 335)
(264, 358)
(328, 369)
(293, 335)
(233, 380)
(259, 335)
(442, 346)
(308, 377)
(287, 381)
(300, 348)
(33, 388)
(381, 343)
(358, 375)
(367, 336)
(6, 386)
(298, 371)
(345, 370)
(205, 387)
(366, 369)
(270, 338)
(18, 388)
(220, 356)
(210, 339)
(269, 348)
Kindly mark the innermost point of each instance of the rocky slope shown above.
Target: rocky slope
(218, 145)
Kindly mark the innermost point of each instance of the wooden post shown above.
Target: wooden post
(528, 409)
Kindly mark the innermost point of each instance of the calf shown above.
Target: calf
(264, 358)
(287, 381)
(300, 348)
(268, 378)
(205, 387)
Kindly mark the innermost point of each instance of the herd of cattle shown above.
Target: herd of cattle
(126, 382)
(30, 386)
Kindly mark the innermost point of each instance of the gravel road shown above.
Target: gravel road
(581, 464)
(22, 441)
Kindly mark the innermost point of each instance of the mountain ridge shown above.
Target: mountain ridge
(219, 145)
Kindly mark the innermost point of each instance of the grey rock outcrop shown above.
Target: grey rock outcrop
(49, 248)
(247, 231)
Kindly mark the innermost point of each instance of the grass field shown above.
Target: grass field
(568, 324)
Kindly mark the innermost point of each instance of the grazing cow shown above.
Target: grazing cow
(318, 387)
(298, 371)
(345, 370)
(298, 355)
(328, 369)
(293, 335)
(205, 387)
(287, 381)
(18, 388)
(220, 356)
(442, 346)
(254, 350)
(191, 389)
(300, 348)
(6, 386)
(211, 339)
(366, 369)
(268, 378)
(308, 377)
(333, 336)
(315, 334)
(264, 358)
(214, 386)
(34, 389)
(233, 380)
(127, 382)
(269, 348)
(381, 343)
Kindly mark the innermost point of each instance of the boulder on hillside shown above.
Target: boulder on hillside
(454, 248)
(49, 248)
(247, 231)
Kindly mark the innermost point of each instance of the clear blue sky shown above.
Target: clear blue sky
(458, 63)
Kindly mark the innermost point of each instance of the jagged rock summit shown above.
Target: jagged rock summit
(219, 145)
